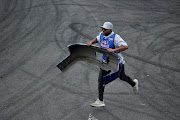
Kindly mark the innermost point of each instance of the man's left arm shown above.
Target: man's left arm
(120, 44)
(121, 48)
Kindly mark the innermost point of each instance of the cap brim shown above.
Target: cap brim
(103, 27)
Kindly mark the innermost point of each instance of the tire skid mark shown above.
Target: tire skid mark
(159, 36)
(169, 75)
(45, 91)
(21, 62)
(161, 92)
(32, 30)
(14, 31)
(152, 63)
(87, 96)
(9, 13)
(87, 77)
(16, 42)
(73, 111)
(77, 36)
(18, 97)
(73, 26)
(154, 83)
(37, 85)
(156, 90)
(56, 4)
(28, 55)
(158, 87)
(149, 97)
(59, 16)
(57, 39)
(163, 48)
(21, 17)
(149, 6)
(125, 106)
(157, 107)
(72, 91)
(58, 13)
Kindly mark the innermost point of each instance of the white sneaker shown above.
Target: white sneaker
(98, 103)
(135, 88)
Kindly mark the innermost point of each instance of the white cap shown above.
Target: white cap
(107, 25)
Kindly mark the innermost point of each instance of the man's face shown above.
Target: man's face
(106, 32)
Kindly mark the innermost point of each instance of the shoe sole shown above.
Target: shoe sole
(97, 105)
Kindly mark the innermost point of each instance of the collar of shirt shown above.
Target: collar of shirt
(108, 35)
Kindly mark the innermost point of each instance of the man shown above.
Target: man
(113, 43)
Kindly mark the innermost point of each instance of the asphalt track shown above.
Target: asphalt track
(34, 35)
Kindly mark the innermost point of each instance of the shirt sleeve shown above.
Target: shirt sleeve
(119, 41)
(98, 37)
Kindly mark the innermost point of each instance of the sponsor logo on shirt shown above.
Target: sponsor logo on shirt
(110, 39)
(105, 44)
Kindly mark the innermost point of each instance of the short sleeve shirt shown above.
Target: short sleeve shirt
(118, 42)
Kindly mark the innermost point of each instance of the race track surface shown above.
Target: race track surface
(34, 35)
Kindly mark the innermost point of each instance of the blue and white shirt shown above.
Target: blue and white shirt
(112, 41)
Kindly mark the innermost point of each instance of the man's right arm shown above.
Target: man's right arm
(92, 42)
